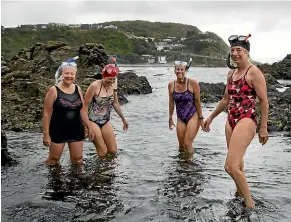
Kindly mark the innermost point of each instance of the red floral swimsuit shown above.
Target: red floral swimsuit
(242, 100)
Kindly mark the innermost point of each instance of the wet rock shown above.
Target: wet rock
(279, 112)
(31, 73)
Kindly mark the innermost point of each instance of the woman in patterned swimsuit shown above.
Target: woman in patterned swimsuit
(185, 93)
(101, 96)
(244, 84)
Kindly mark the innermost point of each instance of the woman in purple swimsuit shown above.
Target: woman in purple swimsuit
(185, 93)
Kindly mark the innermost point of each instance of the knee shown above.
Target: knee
(231, 168)
(188, 146)
(52, 160)
(102, 152)
(77, 159)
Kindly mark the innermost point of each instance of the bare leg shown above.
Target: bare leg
(98, 140)
(241, 137)
(55, 153)
(191, 132)
(76, 152)
(181, 131)
(228, 133)
(109, 138)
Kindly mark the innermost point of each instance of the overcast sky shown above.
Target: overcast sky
(268, 22)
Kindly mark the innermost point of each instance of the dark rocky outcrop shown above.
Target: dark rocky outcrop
(31, 73)
(280, 70)
(6, 158)
(211, 92)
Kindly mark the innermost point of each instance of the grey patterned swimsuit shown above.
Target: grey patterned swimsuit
(100, 109)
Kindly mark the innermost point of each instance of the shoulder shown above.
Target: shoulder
(95, 84)
(254, 71)
(170, 84)
(52, 90)
(79, 88)
(229, 73)
(194, 83)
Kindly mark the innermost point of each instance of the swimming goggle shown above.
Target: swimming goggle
(65, 64)
(178, 63)
(240, 38)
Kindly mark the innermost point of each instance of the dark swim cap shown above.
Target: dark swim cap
(245, 45)
(241, 41)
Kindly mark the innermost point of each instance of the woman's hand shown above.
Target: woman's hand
(263, 135)
(89, 132)
(125, 125)
(171, 124)
(206, 124)
(46, 140)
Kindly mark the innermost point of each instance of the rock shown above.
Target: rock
(211, 92)
(92, 54)
(6, 158)
(31, 74)
(270, 79)
(280, 70)
(131, 84)
(4, 68)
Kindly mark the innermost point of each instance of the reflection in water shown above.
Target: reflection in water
(90, 187)
(183, 187)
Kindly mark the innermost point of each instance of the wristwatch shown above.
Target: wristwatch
(201, 117)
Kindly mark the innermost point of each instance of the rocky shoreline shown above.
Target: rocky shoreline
(28, 75)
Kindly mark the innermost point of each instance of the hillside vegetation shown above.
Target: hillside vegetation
(129, 40)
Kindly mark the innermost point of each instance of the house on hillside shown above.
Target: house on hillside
(150, 59)
(162, 60)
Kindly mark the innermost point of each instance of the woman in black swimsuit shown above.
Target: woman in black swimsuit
(101, 96)
(62, 121)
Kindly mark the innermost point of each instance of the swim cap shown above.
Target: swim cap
(110, 70)
(70, 62)
(242, 41)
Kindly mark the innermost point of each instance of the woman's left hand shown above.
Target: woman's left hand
(125, 125)
(200, 122)
(263, 135)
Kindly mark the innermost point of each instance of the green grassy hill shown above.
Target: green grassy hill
(124, 41)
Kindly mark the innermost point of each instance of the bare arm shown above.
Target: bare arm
(48, 109)
(116, 106)
(259, 84)
(86, 102)
(171, 101)
(196, 89)
(222, 105)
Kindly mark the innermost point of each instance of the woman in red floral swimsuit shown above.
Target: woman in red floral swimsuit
(244, 85)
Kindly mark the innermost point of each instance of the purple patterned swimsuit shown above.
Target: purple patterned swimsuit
(185, 104)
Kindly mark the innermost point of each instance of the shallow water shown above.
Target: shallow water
(149, 180)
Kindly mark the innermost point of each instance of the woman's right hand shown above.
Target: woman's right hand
(91, 133)
(206, 124)
(171, 124)
(46, 140)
